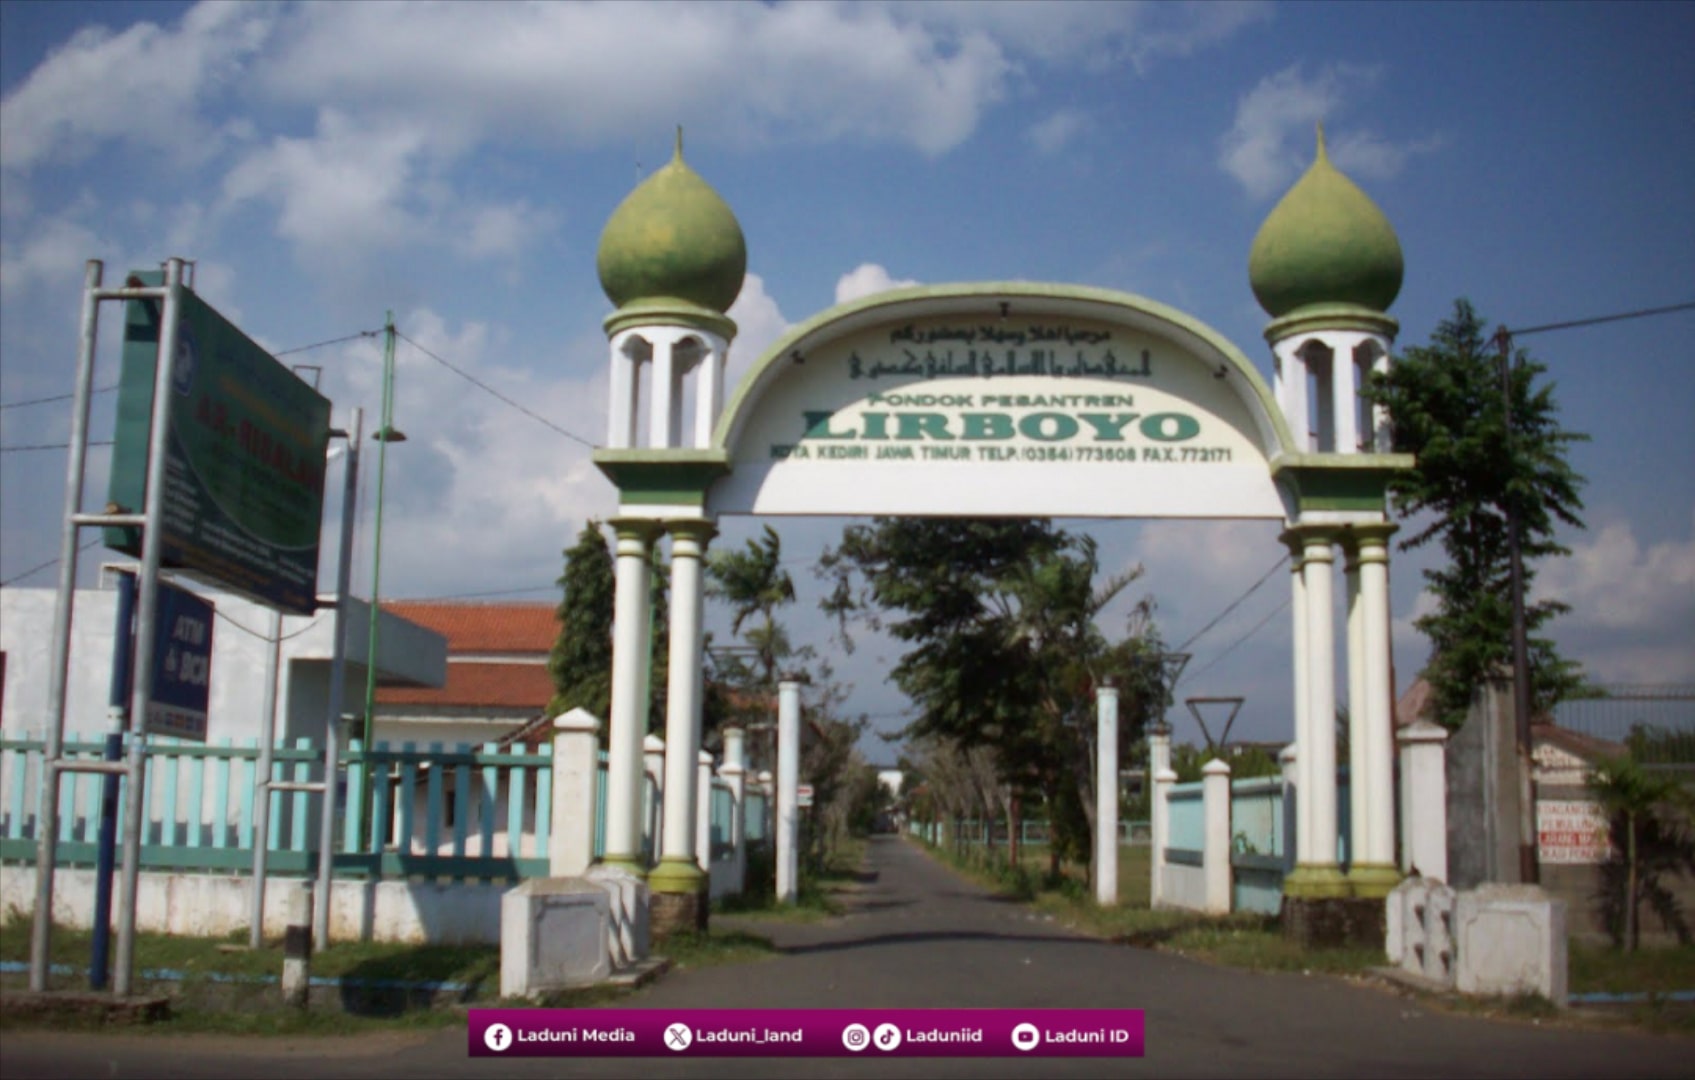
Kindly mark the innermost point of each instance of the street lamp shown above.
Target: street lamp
(386, 433)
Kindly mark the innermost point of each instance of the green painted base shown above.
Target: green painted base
(1316, 883)
(1373, 880)
(674, 875)
(632, 863)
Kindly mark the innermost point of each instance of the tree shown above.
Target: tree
(753, 582)
(1445, 402)
(581, 660)
(1004, 650)
(1651, 838)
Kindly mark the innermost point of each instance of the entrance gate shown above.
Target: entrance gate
(1007, 399)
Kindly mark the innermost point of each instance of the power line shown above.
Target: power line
(331, 341)
(1234, 604)
(50, 562)
(473, 380)
(52, 445)
(55, 397)
(1639, 314)
(1257, 627)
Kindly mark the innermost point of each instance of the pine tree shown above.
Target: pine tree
(1447, 408)
(581, 660)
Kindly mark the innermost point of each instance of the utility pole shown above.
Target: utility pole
(1528, 863)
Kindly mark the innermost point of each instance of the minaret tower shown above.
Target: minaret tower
(1326, 266)
(672, 259)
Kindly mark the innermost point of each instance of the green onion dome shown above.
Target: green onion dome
(1325, 243)
(673, 239)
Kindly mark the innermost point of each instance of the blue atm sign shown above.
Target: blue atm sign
(182, 665)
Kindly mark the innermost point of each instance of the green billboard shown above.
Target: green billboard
(244, 465)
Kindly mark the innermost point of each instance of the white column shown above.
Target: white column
(576, 760)
(788, 795)
(1303, 706)
(1424, 800)
(1106, 795)
(621, 415)
(1215, 856)
(709, 390)
(1292, 390)
(632, 621)
(662, 418)
(734, 772)
(1159, 761)
(1343, 391)
(1320, 748)
(1378, 719)
(683, 705)
(1289, 769)
(1358, 789)
(703, 813)
(1160, 824)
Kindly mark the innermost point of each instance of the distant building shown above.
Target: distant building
(496, 673)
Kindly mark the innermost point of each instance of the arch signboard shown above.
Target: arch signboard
(1002, 399)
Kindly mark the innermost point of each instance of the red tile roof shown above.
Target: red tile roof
(484, 628)
(507, 687)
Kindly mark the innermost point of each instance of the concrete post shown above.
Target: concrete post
(1359, 810)
(1215, 857)
(703, 813)
(788, 795)
(1160, 824)
(1424, 800)
(1159, 761)
(297, 948)
(1106, 795)
(576, 754)
(1298, 607)
(1291, 796)
(653, 766)
(632, 623)
(734, 772)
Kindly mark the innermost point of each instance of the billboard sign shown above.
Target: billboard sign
(244, 470)
(182, 665)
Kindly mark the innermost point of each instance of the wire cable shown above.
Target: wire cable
(1257, 627)
(52, 445)
(14, 579)
(1639, 314)
(331, 341)
(55, 397)
(474, 381)
(1234, 604)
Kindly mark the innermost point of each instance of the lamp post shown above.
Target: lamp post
(1529, 863)
(386, 433)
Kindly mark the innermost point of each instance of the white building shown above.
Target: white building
(408, 655)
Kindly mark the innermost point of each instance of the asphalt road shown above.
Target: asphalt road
(918, 936)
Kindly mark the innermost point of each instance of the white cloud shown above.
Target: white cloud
(1616, 585)
(1051, 135)
(339, 192)
(867, 279)
(503, 230)
(759, 323)
(143, 86)
(1267, 146)
(53, 254)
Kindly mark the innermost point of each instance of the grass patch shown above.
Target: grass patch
(203, 1003)
(1599, 969)
(816, 894)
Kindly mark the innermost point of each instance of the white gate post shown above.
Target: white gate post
(576, 760)
(788, 791)
(1424, 800)
(1215, 857)
(1106, 795)
(1160, 825)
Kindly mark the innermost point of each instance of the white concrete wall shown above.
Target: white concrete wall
(1185, 886)
(236, 697)
(208, 905)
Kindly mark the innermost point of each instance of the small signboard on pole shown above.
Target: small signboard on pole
(803, 794)
(182, 665)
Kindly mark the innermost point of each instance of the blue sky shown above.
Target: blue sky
(456, 163)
